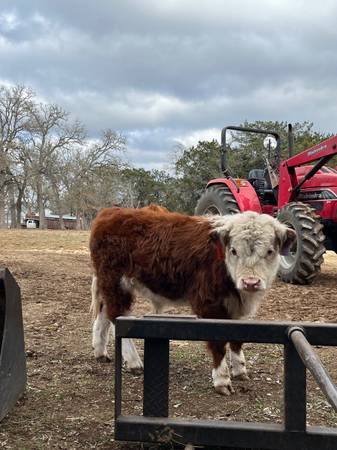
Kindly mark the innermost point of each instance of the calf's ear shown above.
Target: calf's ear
(220, 236)
(219, 244)
(287, 238)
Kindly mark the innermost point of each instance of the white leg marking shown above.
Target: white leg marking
(95, 301)
(100, 334)
(238, 365)
(157, 307)
(221, 379)
(130, 355)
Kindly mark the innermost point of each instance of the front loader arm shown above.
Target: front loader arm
(289, 186)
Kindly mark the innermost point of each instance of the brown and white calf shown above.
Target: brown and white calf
(220, 265)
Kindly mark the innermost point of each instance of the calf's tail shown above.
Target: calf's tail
(96, 303)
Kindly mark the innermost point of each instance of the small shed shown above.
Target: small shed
(52, 221)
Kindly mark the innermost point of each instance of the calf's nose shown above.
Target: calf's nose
(251, 283)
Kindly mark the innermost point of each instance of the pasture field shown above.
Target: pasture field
(69, 399)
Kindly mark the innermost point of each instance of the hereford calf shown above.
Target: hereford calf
(220, 265)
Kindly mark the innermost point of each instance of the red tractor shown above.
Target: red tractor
(298, 193)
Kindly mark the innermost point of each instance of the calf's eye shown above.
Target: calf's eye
(270, 252)
(233, 252)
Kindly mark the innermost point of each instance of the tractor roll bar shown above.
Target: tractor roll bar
(312, 362)
(248, 130)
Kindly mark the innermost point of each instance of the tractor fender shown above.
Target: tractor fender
(246, 197)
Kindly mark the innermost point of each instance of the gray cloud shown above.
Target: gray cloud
(166, 71)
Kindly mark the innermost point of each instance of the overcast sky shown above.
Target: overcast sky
(169, 71)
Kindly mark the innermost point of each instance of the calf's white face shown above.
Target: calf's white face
(253, 244)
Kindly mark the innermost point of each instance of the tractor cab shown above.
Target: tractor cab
(260, 180)
(263, 179)
(257, 178)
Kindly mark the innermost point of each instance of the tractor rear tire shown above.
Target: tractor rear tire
(217, 200)
(304, 260)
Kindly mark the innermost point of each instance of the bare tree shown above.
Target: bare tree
(91, 174)
(51, 133)
(46, 161)
(20, 175)
(15, 106)
(55, 174)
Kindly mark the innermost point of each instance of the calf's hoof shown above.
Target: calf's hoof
(225, 390)
(241, 377)
(103, 359)
(221, 379)
(134, 370)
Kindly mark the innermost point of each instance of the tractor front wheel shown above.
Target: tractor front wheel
(304, 260)
(218, 200)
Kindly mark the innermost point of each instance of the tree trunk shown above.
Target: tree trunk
(40, 204)
(85, 222)
(12, 209)
(59, 208)
(78, 220)
(58, 204)
(2, 211)
(19, 207)
(79, 223)
(61, 221)
(3, 223)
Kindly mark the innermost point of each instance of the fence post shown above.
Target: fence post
(118, 376)
(294, 390)
(156, 377)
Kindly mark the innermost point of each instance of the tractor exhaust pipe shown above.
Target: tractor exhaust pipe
(290, 140)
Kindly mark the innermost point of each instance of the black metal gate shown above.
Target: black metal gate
(293, 434)
(12, 349)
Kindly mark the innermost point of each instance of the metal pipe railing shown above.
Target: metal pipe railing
(312, 362)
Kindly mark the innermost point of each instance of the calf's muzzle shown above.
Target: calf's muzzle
(251, 283)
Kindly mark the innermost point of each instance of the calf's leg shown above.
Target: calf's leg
(133, 363)
(115, 302)
(220, 373)
(100, 335)
(238, 361)
(101, 326)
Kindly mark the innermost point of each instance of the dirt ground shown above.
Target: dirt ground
(69, 399)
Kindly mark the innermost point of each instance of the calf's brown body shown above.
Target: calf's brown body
(174, 258)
